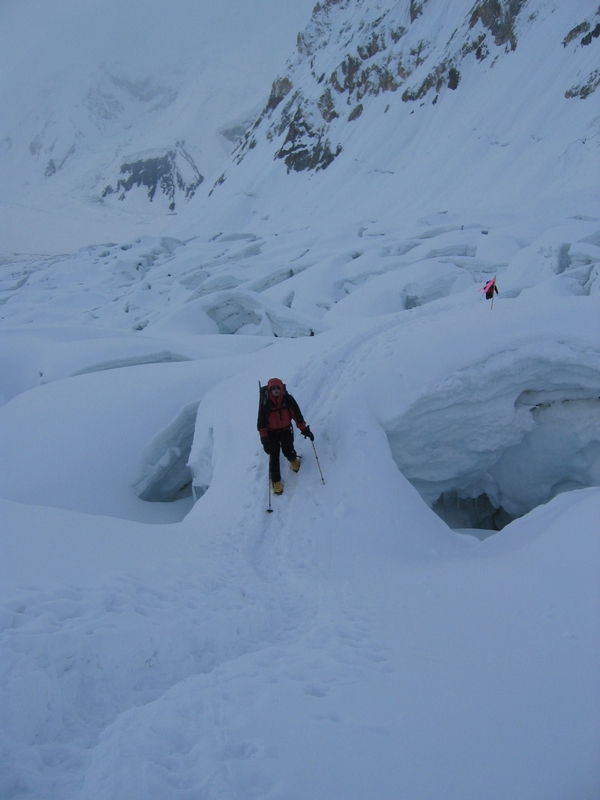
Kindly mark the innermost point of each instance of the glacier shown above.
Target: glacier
(424, 623)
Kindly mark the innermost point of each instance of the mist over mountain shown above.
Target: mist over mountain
(90, 88)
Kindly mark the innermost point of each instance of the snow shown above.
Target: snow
(425, 622)
(146, 81)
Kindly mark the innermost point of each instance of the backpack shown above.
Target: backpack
(263, 397)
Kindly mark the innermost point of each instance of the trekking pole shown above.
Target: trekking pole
(318, 464)
(269, 509)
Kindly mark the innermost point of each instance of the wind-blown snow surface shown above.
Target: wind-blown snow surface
(353, 643)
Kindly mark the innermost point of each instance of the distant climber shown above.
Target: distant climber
(490, 288)
(276, 410)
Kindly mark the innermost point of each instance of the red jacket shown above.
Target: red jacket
(277, 413)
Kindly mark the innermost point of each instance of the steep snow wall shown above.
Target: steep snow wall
(485, 434)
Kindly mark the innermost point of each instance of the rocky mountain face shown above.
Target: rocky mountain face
(172, 172)
(414, 52)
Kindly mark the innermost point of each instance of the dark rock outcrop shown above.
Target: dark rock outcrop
(172, 172)
(498, 16)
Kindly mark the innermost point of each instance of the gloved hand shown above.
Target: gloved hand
(308, 433)
(264, 440)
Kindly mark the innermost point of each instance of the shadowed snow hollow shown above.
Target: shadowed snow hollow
(509, 431)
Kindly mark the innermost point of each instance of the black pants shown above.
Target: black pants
(284, 441)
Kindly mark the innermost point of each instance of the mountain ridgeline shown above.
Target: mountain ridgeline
(413, 52)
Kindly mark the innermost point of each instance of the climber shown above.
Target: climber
(276, 410)
(489, 289)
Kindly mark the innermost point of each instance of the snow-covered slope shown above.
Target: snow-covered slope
(112, 100)
(499, 97)
(425, 622)
(462, 106)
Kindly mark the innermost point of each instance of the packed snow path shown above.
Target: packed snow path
(309, 640)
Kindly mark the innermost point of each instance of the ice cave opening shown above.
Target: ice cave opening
(477, 513)
(479, 465)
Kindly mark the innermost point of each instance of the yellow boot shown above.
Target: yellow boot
(295, 464)
(278, 487)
